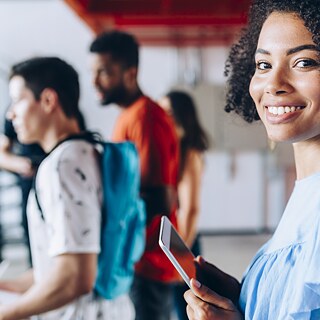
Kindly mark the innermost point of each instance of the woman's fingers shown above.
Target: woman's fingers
(205, 304)
(190, 313)
(198, 309)
(209, 296)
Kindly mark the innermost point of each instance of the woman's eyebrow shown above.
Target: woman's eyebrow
(263, 51)
(303, 47)
(292, 50)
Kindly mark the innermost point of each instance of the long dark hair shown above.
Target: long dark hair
(185, 115)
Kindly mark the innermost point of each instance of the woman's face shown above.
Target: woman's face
(165, 104)
(286, 83)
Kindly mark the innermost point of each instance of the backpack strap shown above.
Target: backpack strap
(36, 196)
(91, 137)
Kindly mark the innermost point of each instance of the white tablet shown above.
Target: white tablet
(176, 250)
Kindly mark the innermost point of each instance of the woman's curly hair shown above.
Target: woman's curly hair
(240, 65)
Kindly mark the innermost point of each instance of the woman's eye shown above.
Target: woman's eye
(262, 65)
(306, 63)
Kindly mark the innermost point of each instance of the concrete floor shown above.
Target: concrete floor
(232, 254)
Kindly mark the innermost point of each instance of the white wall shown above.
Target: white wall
(33, 27)
(36, 28)
(49, 27)
(233, 192)
(3, 90)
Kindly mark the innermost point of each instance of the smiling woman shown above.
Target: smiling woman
(274, 76)
(285, 85)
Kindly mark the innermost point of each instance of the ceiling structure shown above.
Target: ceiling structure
(167, 22)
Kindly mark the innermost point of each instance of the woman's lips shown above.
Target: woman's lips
(280, 110)
(282, 114)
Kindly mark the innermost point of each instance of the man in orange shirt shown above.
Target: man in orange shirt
(115, 57)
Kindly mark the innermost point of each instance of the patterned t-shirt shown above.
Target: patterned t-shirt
(69, 192)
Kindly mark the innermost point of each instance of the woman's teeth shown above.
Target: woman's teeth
(282, 110)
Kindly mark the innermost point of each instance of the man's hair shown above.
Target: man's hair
(122, 47)
(51, 72)
(240, 65)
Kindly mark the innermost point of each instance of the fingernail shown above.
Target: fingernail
(196, 283)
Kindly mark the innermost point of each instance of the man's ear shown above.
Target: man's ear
(49, 100)
(130, 77)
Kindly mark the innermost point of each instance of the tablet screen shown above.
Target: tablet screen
(182, 254)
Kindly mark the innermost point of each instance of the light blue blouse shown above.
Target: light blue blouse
(283, 280)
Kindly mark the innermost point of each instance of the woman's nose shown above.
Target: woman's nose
(278, 82)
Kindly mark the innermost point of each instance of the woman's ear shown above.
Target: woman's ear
(49, 100)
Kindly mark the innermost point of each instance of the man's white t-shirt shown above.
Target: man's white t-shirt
(70, 194)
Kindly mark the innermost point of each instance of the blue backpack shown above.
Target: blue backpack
(123, 216)
(124, 219)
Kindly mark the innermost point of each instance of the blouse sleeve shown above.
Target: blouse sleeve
(307, 304)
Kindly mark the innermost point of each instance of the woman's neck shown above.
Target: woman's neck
(307, 158)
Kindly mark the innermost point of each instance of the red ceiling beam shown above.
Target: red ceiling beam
(196, 20)
(157, 7)
(216, 23)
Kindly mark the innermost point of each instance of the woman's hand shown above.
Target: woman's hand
(217, 280)
(205, 304)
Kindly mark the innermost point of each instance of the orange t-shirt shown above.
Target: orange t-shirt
(152, 131)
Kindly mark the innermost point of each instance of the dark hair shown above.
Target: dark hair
(122, 47)
(185, 115)
(240, 65)
(51, 72)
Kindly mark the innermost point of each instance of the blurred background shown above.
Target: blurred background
(184, 44)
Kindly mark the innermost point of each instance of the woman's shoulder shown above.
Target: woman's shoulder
(194, 156)
(194, 160)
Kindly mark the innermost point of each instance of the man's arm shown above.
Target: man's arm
(12, 162)
(70, 276)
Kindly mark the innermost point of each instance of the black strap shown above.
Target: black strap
(92, 137)
(36, 197)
